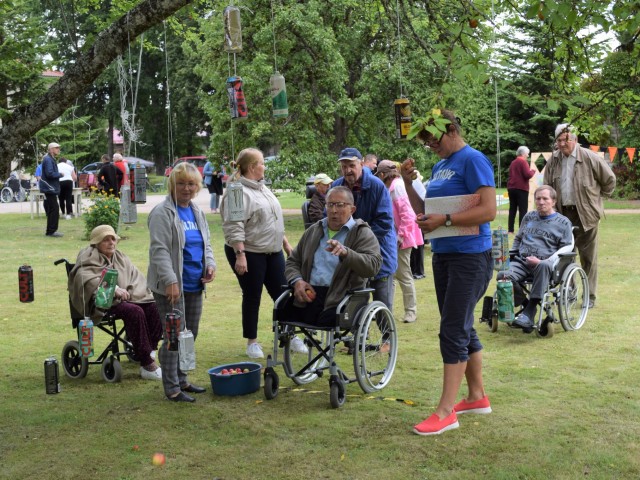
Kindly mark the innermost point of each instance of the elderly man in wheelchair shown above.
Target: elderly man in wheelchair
(542, 249)
(334, 256)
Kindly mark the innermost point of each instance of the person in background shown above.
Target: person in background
(462, 265)
(581, 177)
(518, 187)
(370, 161)
(120, 163)
(66, 187)
(417, 253)
(408, 232)
(254, 244)
(49, 185)
(181, 263)
(213, 181)
(109, 177)
(38, 172)
(132, 302)
(335, 255)
(373, 205)
(317, 202)
(542, 234)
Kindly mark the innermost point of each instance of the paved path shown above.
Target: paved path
(202, 200)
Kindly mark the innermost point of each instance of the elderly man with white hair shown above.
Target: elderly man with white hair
(518, 187)
(581, 177)
(120, 163)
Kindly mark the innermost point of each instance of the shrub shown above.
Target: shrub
(105, 210)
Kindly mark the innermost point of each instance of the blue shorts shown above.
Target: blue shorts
(461, 280)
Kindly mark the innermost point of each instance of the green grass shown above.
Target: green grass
(564, 408)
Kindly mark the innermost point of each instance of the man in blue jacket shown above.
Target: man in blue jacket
(49, 185)
(373, 205)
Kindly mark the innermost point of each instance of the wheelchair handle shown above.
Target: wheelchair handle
(58, 262)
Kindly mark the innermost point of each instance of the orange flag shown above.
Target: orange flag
(612, 153)
(631, 152)
(595, 148)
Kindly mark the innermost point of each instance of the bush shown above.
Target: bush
(105, 210)
(627, 181)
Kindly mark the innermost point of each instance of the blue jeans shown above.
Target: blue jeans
(460, 280)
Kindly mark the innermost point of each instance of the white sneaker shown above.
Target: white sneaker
(68, 217)
(298, 346)
(254, 350)
(147, 375)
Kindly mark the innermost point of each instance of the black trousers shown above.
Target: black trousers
(518, 200)
(66, 197)
(53, 214)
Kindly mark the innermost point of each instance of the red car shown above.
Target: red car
(199, 161)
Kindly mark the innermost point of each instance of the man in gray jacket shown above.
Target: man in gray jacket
(581, 177)
(336, 254)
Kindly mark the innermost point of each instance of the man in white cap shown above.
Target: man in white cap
(317, 202)
(581, 178)
(49, 185)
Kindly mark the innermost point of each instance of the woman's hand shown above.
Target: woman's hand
(210, 275)
(122, 294)
(241, 264)
(172, 292)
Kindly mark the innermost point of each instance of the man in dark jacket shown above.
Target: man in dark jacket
(373, 205)
(334, 255)
(109, 177)
(49, 185)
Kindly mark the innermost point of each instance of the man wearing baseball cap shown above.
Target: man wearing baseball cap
(373, 205)
(316, 204)
(49, 185)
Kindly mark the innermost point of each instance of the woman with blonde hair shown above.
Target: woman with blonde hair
(181, 263)
(254, 243)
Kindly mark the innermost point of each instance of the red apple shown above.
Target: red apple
(311, 294)
(224, 372)
(136, 448)
(158, 459)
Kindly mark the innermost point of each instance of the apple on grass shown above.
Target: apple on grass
(158, 459)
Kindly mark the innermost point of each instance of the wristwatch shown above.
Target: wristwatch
(239, 252)
(447, 222)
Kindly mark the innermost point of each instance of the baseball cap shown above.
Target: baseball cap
(350, 154)
(386, 166)
(53, 145)
(322, 178)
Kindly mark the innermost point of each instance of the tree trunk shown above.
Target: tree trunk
(26, 121)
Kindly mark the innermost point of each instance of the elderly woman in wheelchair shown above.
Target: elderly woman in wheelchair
(132, 302)
(542, 250)
(334, 256)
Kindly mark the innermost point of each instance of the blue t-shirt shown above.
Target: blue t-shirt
(462, 173)
(193, 252)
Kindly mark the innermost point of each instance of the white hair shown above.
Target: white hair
(117, 156)
(522, 151)
(565, 127)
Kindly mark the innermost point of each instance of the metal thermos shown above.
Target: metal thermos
(51, 376)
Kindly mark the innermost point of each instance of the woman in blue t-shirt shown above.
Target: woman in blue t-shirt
(180, 264)
(462, 265)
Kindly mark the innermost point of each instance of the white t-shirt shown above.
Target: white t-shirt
(66, 170)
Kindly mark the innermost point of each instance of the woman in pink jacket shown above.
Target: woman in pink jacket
(409, 234)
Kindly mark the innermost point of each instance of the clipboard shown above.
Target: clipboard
(452, 204)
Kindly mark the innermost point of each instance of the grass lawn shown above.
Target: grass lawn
(564, 408)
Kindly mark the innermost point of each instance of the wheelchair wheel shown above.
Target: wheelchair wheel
(271, 384)
(375, 347)
(546, 330)
(294, 362)
(73, 363)
(574, 298)
(6, 195)
(20, 195)
(337, 393)
(111, 370)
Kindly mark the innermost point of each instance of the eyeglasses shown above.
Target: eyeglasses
(564, 141)
(433, 143)
(186, 185)
(337, 204)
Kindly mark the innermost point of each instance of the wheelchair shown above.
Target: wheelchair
(15, 190)
(566, 300)
(364, 328)
(76, 366)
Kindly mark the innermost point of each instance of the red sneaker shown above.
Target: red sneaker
(434, 426)
(481, 406)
